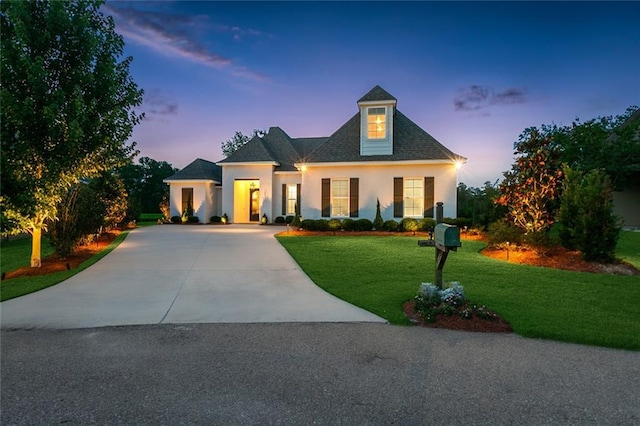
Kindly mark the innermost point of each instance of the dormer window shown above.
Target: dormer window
(376, 123)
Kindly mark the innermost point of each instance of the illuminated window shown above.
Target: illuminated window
(339, 197)
(376, 123)
(292, 199)
(413, 197)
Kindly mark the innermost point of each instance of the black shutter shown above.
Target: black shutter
(398, 201)
(326, 197)
(298, 198)
(353, 197)
(428, 196)
(284, 199)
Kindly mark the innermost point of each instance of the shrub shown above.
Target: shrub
(334, 224)
(586, 213)
(348, 224)
(321, 225)
(176, 219)
(308, 224)
(363, 225)
(427, 224)
(297, 221)
(193, 219)
(289, 219)
(279, 219)
(501, 232)
(408, 225)
(432, 301)
(216, 219)
(390, 225)
(378, 222)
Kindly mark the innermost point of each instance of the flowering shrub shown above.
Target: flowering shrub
(432, 301)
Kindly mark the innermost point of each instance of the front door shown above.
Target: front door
(254, 205)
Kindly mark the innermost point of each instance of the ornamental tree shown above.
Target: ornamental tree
(530, 190)
(67, 106)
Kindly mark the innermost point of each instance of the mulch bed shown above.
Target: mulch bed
(53, 263)
(456, 322)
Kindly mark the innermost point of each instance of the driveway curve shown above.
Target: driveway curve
(185, 274)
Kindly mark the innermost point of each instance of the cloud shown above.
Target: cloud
(156, 103)
(167, 34)
(476, 97)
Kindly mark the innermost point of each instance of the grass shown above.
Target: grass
(16, 252)
(380, 274)
(628, 248)
(20, 286)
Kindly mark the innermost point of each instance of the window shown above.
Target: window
(292, 199)
(413, 197)
(187, 201)
(339, 197)
(377, 123)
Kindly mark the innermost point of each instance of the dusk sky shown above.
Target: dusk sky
(473, 75)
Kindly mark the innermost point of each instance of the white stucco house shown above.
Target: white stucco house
(378, 154)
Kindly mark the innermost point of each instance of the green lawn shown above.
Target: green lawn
(16, 252)
(13, 251)
(379, 274)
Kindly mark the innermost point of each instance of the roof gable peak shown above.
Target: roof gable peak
(377, 94)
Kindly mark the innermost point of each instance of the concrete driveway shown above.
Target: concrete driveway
(185, 274)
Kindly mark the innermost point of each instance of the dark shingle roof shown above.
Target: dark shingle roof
(252, 151)
(410, 142)
(275, 146)
(199, 169)
(377, 94)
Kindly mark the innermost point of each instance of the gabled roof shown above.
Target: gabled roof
(199, 169)
(410, 142)
(251, 152)
(277, 147)
(377, 94)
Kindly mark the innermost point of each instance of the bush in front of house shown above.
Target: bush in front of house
(334, 225)
(308, 224)
(176, 219)
(408, 224)
(279, 219)
(426, 224)
(321, 225)
(390, 225)
(193, 219)
(289, 219)
(378, 222)
(216, 219)
(348, 224)
(363, 225)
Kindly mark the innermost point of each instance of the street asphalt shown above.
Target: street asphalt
(310, 373)
(218, 325)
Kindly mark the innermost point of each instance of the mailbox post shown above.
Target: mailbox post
(446, 238)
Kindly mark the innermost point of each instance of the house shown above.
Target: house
(199, 186)
(378, 154)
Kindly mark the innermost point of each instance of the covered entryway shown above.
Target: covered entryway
(246, 201)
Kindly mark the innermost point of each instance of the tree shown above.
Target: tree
(611, 144)
(144, 182)
(231, 145)
(530, 190)
(67, 102)
(586, 215)
(478, 204)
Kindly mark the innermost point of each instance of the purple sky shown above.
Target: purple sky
(474, 75)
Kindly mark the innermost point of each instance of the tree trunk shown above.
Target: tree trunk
(36, 239)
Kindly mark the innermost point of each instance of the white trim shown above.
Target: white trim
(381, 102)
(377, 163)
(287, 172)
(250, 163)
(190, 181)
